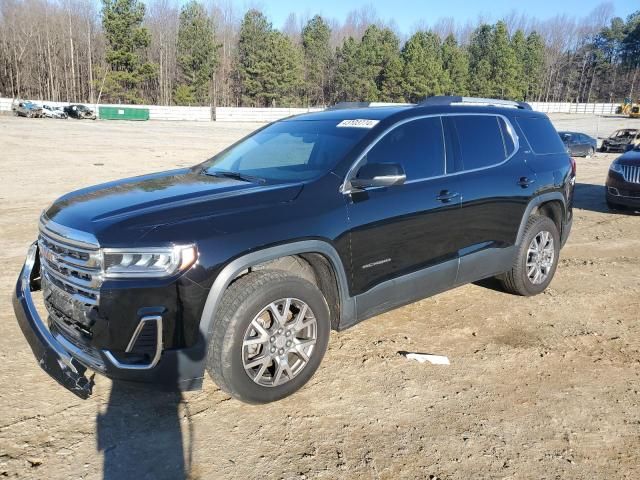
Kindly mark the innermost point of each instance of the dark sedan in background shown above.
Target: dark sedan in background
(623, 181)
(579, 144)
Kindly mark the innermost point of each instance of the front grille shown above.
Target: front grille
(77, 270)
(631, 173)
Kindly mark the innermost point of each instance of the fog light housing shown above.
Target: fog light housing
(614, 191)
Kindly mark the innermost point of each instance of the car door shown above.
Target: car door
(407, 229)
(583, 145)
(495, 184)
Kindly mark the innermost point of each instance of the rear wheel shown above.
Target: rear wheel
(270, 335)
(536, 260)
(590, 152)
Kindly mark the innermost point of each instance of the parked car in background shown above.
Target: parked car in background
(53, 112)
(621, 140)
(623, 181)
(27, 109)
(80, 112)
(579, 144)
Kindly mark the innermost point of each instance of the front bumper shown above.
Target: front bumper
(54, 358)
(67, 363)
(619, 191)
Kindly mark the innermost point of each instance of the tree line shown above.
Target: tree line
(204, 53)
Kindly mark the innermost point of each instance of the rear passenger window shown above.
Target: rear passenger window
(481, 140)
(417, 145)
(541, 135)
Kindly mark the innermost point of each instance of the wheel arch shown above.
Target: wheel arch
(320, 255)
(551, 204)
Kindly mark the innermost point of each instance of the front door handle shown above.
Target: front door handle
(446, 196)
(524, 182)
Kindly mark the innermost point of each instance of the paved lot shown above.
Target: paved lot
(543, 387)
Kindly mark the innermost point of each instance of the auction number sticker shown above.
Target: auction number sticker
(358, 123)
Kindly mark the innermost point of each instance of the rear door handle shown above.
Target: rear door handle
(447, 196)
(524, 182)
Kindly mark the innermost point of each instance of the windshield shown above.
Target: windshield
(289, 150)
(624, 133)
(82, 108)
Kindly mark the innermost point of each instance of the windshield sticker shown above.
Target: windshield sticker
(358, 123)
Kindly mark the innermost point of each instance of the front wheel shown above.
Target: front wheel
(536, 260)
(270, 334)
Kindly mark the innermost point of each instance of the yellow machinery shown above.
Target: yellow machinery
(627, 107)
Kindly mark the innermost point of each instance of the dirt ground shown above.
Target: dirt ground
(545, 387)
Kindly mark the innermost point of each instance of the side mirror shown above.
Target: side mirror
(379, 175)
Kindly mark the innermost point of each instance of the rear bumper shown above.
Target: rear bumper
(67, 363)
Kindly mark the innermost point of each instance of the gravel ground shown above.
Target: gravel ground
(543, 387)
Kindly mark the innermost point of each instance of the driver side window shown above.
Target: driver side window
(417, 145)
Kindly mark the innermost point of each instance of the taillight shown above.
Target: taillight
(573, 166)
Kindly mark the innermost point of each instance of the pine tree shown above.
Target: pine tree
(533, 66)
(317, 60)
(481, 82)
(126, 40)
(351, 84)
(519, 46)
(456, 67)
(269, 65)
(282, 80)
(197, 55)
(252, 60)
(423, 72)
(503, 63)
(379, 51)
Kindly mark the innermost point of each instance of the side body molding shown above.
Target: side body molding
(231, 271)
(536, 202)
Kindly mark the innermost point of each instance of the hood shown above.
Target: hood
(126, 210)
(632, 157)
(618, 141)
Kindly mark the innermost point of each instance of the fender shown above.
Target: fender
(235, 267)
(536, 202)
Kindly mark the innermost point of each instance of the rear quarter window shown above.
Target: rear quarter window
(483, 140)
(541, 135)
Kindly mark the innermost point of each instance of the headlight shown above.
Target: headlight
(616, 167)
(154, 262)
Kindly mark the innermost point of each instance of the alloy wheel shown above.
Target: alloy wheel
(279, 342)
(540, 257)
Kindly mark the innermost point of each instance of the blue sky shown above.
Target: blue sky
(408, 13)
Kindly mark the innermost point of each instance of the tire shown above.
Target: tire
(590, 153)
(247, 301)
(517, 280)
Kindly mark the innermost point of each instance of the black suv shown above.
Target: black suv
(241, 266)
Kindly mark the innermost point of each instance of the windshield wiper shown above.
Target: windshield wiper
(234, 175)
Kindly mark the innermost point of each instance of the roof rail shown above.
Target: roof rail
(343, 105)
(458, 100)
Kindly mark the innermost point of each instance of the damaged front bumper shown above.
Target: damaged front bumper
(64, 362)
(67, 362)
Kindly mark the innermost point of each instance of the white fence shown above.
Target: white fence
(566, 107)
(248, 114)
(263, 115)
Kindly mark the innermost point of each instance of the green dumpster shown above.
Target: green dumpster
(123, 113)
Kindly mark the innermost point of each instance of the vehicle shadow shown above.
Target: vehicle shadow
(140, 432)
